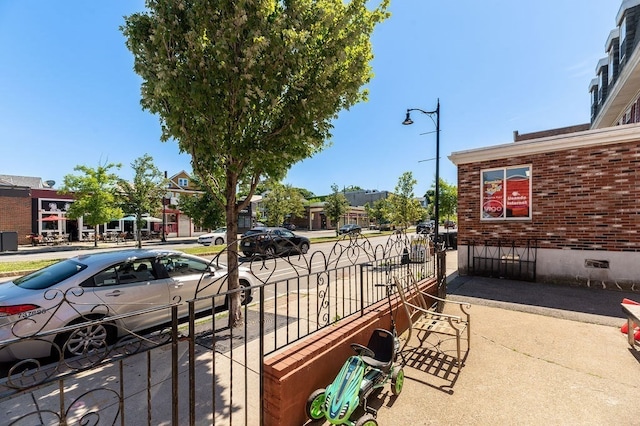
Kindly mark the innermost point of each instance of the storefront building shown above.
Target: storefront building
(563, 205)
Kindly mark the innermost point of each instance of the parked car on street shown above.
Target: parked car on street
(425, 227)
(350, 228)
(449, 224)
(272, 241)
(289, 226)
(101, 285)
(217, 237)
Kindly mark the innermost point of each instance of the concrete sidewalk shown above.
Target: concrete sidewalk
(540, 354)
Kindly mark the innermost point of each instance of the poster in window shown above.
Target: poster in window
(493, 194)
(517, 192)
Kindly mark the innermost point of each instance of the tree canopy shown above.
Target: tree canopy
(448, 199)
(282, 201)
(143, 195)
(95, 193)
(248, 88)
(405, 208)
(335, 206)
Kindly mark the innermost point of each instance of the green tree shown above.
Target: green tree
(282, 201)
(249, 88)
(379, 212)
(305, 193)
(143, 195)
(204, 209)
(448, 200)
(405, 209)
(335, 206)
(95, 195)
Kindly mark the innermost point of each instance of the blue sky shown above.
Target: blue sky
(69, 96)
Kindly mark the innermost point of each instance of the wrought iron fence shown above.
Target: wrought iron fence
(503, 259)
(200, 371)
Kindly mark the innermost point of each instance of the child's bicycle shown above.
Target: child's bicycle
(362, 374)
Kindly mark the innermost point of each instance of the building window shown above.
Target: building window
(612, 63)
(623, 37)
(183, 182)
(506, 193)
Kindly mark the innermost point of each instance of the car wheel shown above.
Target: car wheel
(247, 253)
(219, 241)
(245, 296)
(304, 248)
(92, 340)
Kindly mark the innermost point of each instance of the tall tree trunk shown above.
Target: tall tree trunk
(235, 312)
(138, 232)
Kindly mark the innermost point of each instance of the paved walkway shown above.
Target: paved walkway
(540, 354)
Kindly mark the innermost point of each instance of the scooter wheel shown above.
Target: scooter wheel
(367, 420)
(314, 405)
(397, 381)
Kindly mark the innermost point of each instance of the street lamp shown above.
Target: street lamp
(407, 121)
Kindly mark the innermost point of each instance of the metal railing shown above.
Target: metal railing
(503, 259)
(200, 370)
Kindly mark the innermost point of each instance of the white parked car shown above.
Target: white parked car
(217, 237)
(102, 285)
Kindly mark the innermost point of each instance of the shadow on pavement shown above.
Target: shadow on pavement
(535, 296)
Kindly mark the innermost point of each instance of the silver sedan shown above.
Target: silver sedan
(107, 285)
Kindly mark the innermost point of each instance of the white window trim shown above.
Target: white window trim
(504, 194)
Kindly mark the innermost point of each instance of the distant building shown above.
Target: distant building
(364, 197)
(29, 205)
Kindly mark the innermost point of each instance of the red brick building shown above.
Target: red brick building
(573, 211)
(563, 205)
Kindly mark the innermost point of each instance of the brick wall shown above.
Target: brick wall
(292, 374)
(15, 213)
(582, 199)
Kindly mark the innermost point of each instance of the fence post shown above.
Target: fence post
(441, 274)
(261, 310)
(361, 290)
(174, 365)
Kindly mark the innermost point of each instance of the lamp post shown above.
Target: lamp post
(407, 121)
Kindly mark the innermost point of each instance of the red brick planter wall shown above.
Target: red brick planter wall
(292, 374)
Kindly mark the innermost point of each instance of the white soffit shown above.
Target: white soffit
(586, 139)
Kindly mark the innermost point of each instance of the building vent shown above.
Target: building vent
(598, 264)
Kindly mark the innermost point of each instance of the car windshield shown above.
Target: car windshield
(50, 275)
(220, 231)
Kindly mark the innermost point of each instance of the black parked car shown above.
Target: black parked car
(350, 228)
(289, 226)
(424, 227)
(268, 241)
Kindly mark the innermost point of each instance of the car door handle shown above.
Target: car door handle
(114, 293)
(178, 284)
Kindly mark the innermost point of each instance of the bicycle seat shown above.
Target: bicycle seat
(381, 343)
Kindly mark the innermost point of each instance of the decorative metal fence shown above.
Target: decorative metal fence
(198, 370)
(503, 259)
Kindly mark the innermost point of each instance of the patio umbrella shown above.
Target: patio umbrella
(53, 218)
(151, 219)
